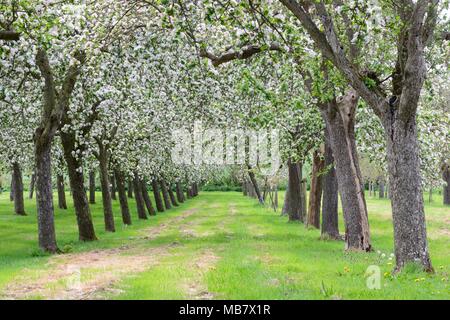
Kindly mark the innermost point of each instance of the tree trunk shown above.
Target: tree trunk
(252, 177)
(120, 181)
(44, 198)
(92, 187)
(86, 230)
(147, 200)
(330, 227)
(244, 188)
(113, 187)
(138, 195)
(61, 192)
(130, 188)
(381, 193)
(315, 193)
(157, 196)
(165, 194)
(446, 178)
(339, 119)
(11, 189)
(294, 194)
(179, 192)
(188, 192)
(172, 196)
(106, 193)
(410, 237)
(19, 206)
(32, 182)
(286, 207)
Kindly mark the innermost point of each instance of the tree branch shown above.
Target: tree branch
(9, 35)
(242, 54)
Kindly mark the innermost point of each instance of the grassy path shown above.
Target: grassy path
(217, 246)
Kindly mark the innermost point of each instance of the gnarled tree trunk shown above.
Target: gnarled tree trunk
(172, 196)
(339, 119)
(19, 207)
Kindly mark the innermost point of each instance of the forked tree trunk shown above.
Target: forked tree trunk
(19, 207)
(124, 209)
(330, 228)
(315, 193)
(172, 196)
(339, 119)
(86, 230)
(44, 198)
(158, 200)
(138, 195)
(61, 192)
(179, 192)
(446, 178)
(294, 194)
(32, 182)
(92, 187)
(147, 200)
(106, 193)
(113, 187)
(410, 236)
(130, 188)
(165, 194)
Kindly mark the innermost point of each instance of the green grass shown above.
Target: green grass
(229, 247)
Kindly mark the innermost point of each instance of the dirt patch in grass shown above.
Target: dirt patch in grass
(82, 275)
(89, 275)
(195, 288)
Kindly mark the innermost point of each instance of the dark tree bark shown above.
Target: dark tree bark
(44, 198)
(381, 186)
(92, 187)
(147, 200)
(293, 195)
(179, 192)
(165, 194)
(315, 193)
(130, 188)
(11, 188)
(61, 192)
(157, 196)
(106, 191)
(339, 119)
(195, 188)
(254, 183)
(188, 192)
(244, 188)
(446, 178)
(86, 231)
(330, 228)
(138, 195)
(19, 207)
(172, 196)
(32, 182)
(286, 207)
(120, 181)
(113, 187)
